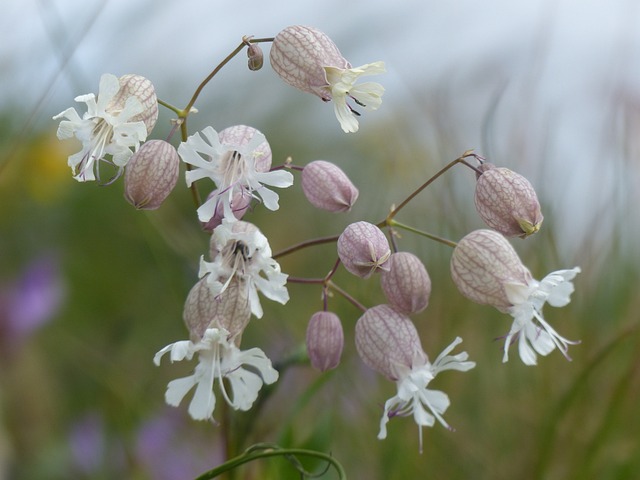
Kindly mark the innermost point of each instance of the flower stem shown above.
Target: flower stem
(394, 223)
(305, 244)
(265, 451)
(228, 58)
(460, 159)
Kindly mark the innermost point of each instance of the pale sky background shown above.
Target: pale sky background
(552, 80)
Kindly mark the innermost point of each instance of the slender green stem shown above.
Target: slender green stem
(228, 58)
(460, 159)
(259, 452)
(174, 109)
(344, 293)
(394, 223)
(305, 244)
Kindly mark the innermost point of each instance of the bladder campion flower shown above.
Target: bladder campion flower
(487, 270)
(239, 249)
(236, 159)
(325, 340)
(218, 359)
(406, 284)
(307, 59)
(118, 119)
(388, 342)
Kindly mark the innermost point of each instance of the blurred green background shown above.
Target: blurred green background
(90, 288)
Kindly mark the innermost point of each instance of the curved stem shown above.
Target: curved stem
(305, 244)
(266, 451)
(460, 159)
(394, 223)
(344, 293)
(235, 51)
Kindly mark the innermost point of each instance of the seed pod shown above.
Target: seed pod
(406, 284)
(387, 341)
(143, 90)
(507, 202)
(483, 265)
(327, 187)
(363, 249)
(229, 310)
(151, 174)
(325, 340)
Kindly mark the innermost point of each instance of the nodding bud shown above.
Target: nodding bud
(363, 249)
(325, 340)
(239, 204)
(255, 57)
(406, 284)
(483, 265)
(229, 310)
(141, 88)
(388, 342)
(327, 187)
(151, 174)
(507, 202)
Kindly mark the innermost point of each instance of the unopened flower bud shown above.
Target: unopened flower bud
(255, 56)
(229, 310)
(132, 85)
(151, 174)
(363, 249)
(406, 284)
(484, 265)
(327, 187)
(325, 340)
(239, 204)
(507, 202)
(387, 341)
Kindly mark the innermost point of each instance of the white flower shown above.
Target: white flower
(487, 269)
(240, 249)
(105, 129)
(529, 326)
(218, 359)
(342, 85)
(235, 165)
(414, 398)
(309, 60)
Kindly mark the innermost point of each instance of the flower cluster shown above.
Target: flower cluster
(235, 164)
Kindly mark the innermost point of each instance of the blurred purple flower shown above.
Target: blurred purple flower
(31, 300)
(167, 449)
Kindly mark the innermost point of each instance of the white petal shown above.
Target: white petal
(527, 354)
(177, 389)
(203, 401)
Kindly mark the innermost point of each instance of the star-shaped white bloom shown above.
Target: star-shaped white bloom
(414, 398)
(103, 130)
(529, 327)
(243, 251)
(342, 84)
(218, 359)
(232, 167)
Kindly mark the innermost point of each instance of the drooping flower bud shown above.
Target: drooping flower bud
(483, 264)
(406, 284)
(239, 205)
(151, 174)
(229, 310)
(507, 202)
(327, 187)
(255, 57)
(132, 85)
(307, 59)
(325, 340)
(363, 249)
(387, 341)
